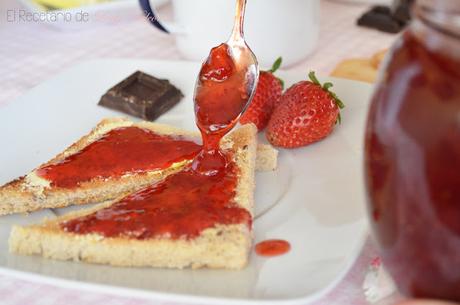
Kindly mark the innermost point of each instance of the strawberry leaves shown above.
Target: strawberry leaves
(276, 65)
(326, 87)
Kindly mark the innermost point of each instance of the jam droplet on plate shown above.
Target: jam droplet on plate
(273, 247)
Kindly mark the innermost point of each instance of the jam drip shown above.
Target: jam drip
(222, 95)
(181, 206)
(199, 197)
(120, 151)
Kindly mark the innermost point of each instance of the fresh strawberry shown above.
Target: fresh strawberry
(307, 113)
(269, 90)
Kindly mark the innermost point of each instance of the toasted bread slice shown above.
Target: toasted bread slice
(220, 246)
(32, 192)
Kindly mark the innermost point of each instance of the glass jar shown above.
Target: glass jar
(412, 155)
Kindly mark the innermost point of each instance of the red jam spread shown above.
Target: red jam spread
(120, 151)
(412, 159)
(273, 247)
(181, 206)
(197, 198)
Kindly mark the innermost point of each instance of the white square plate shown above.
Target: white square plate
(315, 199)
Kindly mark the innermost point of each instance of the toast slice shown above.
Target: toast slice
(33, 192)
(223, 244)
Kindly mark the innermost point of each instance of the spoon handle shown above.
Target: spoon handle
(238, 33)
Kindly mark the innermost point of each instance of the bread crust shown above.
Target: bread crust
(223, 246)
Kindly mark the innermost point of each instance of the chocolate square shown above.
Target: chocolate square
(381, 18)
(142, 95)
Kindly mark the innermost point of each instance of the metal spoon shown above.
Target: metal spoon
(227, 81)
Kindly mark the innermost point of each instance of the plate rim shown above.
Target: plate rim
(156, 295)
(153, 295)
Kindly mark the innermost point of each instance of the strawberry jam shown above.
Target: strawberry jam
(219, 99)
(120, 151)
(181, 206)
(412, 158)
(273, 247)
(201, 196)
(222, 94)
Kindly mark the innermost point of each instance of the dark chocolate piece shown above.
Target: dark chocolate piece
(380, 9)
(142, 95)
(381, 18)
(401, 10)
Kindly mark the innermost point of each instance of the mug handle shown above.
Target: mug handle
(151, 16)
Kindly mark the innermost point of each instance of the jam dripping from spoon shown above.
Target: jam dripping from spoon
(224, 89)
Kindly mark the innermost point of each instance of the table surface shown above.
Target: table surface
(30, 53)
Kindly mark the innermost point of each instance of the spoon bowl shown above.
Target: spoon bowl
(224, 89)
(226, 84)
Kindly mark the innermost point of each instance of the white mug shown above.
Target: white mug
(273, 28)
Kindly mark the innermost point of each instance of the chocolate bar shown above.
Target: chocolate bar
(386, 19)
(401, 10)
(142, 95)
(380, 18)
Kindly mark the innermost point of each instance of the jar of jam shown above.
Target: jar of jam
(412, 155)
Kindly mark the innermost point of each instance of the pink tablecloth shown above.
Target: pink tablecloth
(31, 53)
